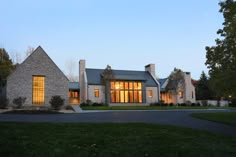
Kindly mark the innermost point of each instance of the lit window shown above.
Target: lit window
(150, 95)
(126, 92)
(38, 90)
(180, 94)
(96, 93)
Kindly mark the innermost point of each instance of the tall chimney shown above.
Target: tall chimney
(151, 68)
(82, 81)
(81, 69)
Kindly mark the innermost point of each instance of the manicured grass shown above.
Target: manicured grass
(109, 139)
(222, 117)
(149, 107)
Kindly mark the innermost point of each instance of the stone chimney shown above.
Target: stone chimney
(81, 69)
(82, 81)
(151, 68)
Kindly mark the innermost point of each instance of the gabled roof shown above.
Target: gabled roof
(39, 50)
(94, 76)
(74, 86)
(163, 84)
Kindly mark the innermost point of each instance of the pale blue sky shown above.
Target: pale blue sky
(126, 34)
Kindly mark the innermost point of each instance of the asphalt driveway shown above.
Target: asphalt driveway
(180, 118)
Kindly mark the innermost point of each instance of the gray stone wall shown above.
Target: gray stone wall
(19, 83)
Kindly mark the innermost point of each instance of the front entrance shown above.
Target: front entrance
(74, 97)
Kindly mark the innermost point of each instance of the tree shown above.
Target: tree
(29, 51)
(72, 70)
(221, 58)
(6, 66)
(203, 91)
(176, 82)
(107, 76)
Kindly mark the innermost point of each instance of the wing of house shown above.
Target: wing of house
(38, 78)
(126, 87)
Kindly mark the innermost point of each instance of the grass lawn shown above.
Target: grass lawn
(149, 107)
(110, 140)
(222, 117)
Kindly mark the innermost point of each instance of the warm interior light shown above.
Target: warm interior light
(117, 86)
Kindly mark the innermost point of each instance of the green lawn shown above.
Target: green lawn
(222, 117)
(149, 107)
(109, 140)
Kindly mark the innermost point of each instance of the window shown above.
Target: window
(73, 94)
(96, 93)
(180, 94)
(126, 92)
(192, 95)
(150, 95)
(38, 90)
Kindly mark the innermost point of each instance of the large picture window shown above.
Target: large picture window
(126, 92)
(38, 90)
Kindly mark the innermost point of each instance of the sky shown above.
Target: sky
(126, 34)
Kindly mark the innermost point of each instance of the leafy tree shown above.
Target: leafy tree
(203, 91)
(221, 58)
(107, 76)
(176, 81)
(6, 66)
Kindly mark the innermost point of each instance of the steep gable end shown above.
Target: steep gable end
(39, 60)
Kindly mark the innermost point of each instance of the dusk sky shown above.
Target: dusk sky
(126, 34)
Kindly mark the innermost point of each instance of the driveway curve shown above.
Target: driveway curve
(180, 118)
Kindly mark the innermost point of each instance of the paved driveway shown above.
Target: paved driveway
(172, 117)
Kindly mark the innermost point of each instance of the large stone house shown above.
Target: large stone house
(38, 79)
(123, 88)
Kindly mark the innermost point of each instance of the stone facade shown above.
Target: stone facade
(154, 97)
(91, 94)
(189, 95)
(19, 83)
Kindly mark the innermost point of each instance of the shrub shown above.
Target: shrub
(84, 104)
(19, 102)
(89, 102)
(98, 104)
(198, 104)
(3, 102)
(204, 103)
(69, 107)
(56, 102)
(155, 104)
(188, 103)
(171, 104)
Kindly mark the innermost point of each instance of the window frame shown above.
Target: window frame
(96, 93)
(38, 93)
(123, 91)
(150, 93)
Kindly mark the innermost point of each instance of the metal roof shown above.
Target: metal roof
(74, 86)
(162, 82)
(94, 76)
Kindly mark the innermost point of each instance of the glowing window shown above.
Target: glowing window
(96, 93)
(180, 94)
(150, 94)
(38, 90)
(126, 92)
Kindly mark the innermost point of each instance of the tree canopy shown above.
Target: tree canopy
(221, 58)
(203, 90)
(6, 66)
(176, 81)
